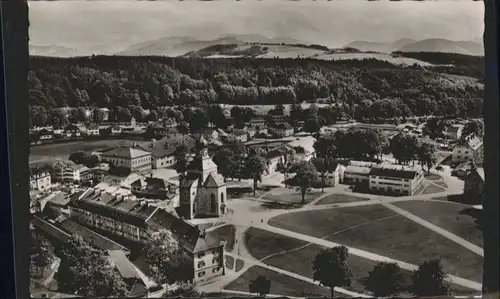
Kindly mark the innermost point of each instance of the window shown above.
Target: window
(201, 254)
(201, 264)
(222, 197)
(201, 274)
(215, 260)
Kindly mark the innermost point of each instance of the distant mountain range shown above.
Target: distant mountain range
(175, 46)
(180, 45)
(473, 47)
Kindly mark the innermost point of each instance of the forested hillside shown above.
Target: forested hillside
(151, 82)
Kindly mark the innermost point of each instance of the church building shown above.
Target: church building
(202, 189)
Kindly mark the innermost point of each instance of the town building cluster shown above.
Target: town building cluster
(72, 198)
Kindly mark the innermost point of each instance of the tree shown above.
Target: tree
(428, 280)
(404, 147)
(225, 161)
(330, 268)
(185, 290)
(325, 147)
(255, 166)
(40, 254)
(181, 158)
(305, 175)
(260, 285)
(98, 116)
(474, 126)
(216, 116)
(313, 125)
(198, 122)
(321, 165)
(426, 155)
(385, 279)
(167, 261)
(85, 271)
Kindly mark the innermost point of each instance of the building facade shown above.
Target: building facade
(153, 188)
(395, 179)
(133, 160)
(474, 184)
(205, 251)
(40, 181)
(454, 132)
(202, 189)
(468, 148)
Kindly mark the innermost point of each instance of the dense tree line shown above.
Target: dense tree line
(152, 82)
(451, 63)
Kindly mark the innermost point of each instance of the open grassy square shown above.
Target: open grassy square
(376, 229)
(402, 239)
(322, 223)
(432, 188)
(262, 243)
(280, 284)
(339, 198)
(453, 217)
(224, 233)
(299, 256)
(290, 195)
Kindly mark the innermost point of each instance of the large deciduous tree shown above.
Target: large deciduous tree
(260, 285)
(385, 279)
(85, 271)
(429, 280)
(167, 261)
(305, 175)
(331, 269)
(255, 166)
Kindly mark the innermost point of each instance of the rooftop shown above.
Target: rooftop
(167, 146)
(472, 141)
(358, 169)
(134, 212)
(125, 152)
(395, 171)
(122, 264)
(188, 235)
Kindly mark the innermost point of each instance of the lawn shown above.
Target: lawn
(405, 240)
(229, 262)
(239, 265)
(300, 260)
(262, 243)
(450, 216)
(322, 223)
(376, 229)
(290, 195)
(431, 188)
(280, 284)
(224, 233)
(339, 198)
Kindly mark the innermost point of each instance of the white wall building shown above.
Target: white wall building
(469, 148)
(40, 181)
(395, 179)
(132, 159)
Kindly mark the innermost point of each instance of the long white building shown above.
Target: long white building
(395, 179)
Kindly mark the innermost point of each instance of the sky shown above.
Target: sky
(112, 26)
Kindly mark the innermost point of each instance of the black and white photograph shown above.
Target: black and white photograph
(256, 148)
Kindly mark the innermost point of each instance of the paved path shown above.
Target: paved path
(364, 254)
(474, 248)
